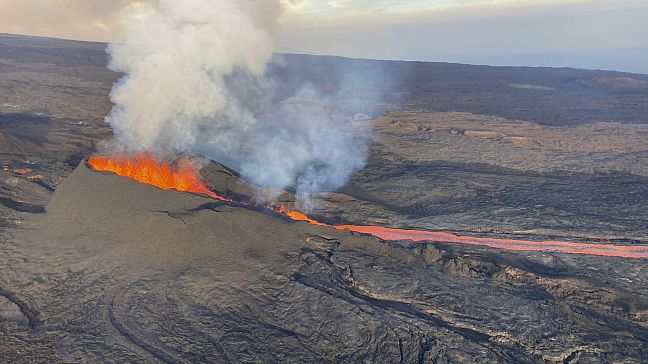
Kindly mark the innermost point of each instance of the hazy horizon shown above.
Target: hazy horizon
(590, 34)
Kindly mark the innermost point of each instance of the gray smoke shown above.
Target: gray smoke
(200, 76)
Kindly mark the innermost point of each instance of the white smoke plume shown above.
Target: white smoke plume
(196, 81)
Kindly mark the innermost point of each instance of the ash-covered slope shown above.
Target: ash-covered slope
(122, 271)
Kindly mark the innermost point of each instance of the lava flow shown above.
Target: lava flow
(299, 216)
(184, 177)
(146, 169)
(610, 250)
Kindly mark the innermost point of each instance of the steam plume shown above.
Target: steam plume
(196, 80)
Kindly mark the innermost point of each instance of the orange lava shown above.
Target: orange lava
(299, 216)
(143, 167)
(610, 250)
(184, 177)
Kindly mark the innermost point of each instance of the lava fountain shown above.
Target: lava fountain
(184, 176)
(145, 168)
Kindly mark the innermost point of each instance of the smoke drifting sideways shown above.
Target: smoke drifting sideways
(202, 76)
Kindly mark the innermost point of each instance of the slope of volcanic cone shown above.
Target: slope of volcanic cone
(120, 271)
(227, 182)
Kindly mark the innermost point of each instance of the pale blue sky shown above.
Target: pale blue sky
(337, 8)
(318, 6)
(608, 34)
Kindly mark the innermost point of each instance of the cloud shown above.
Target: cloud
(486, 32)
(104, 19)
(74, 19)
(394, 29)
(317, 13)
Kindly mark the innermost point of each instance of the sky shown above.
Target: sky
(606, 34)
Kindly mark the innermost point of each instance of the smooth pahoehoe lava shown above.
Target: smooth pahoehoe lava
(184, 176)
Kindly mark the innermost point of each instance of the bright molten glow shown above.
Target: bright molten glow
(146, 169)
(610, 250)
(185, 177)
(299, 216)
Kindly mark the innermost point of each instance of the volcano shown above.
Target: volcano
(166, 275)
(185, 176)
(98, 267)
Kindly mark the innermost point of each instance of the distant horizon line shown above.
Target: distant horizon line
(409, 60)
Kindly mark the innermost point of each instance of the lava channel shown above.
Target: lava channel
(184, 176)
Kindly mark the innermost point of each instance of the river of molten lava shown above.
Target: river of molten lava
(181, 176)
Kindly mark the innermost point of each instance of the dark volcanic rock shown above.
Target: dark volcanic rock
(117, 271)
(121, 271)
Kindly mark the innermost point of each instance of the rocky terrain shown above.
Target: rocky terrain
(99, 268)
